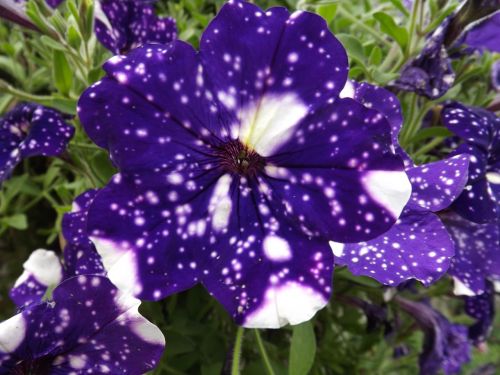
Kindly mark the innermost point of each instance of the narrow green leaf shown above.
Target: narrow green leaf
(389, 27)
(353, 47)
(49, 42)
(63, 77)
(375, 57)
(302, 349)
(399, 4)
(327, 11)
(435, 131)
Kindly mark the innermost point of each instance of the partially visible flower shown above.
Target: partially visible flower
(418, 246)
(477, 255)
(480, 131)
(122, 25)
(43, 270)
(445, 344)
(237, 164)
(486, 35)
(482, 308)
(88, 327)
(30, 130)
(430, 73)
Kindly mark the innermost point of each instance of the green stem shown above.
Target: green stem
(238, 344)
(428, 147)
(363, 26)
(7, 88)
(413, 24)
(263, 353)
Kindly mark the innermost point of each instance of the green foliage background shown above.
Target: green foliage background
(55, 66)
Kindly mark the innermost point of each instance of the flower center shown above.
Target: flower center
(40, 366)
(235, 157)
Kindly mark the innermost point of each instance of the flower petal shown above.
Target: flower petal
(482, 308)
(416, 247)
(476, 254)
(477, 202)
(42, 270)
(275, 57)
(436, 185)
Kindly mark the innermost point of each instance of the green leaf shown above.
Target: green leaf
(49, 42)
(17, 221)
(375, 57)
(302, 349)
(327, 11)
(353, 47)
(63, 77)
(399, 4)
(389, 27)
(435, 131)
(74, 37)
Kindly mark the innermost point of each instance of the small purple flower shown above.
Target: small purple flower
(430, 73)
(122, 25)
(88, 327)
(237, 164)
(31, 130)
(480, 131)
(477, 258)
(43, 270)
(445, 344)
(482, 308)
(418, 245)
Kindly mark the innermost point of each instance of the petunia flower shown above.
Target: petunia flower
(88, 327)
(122, 25)
(482, 309)
(477, 258)
(445, 344)
(43, 270)
(237, 164)
(31, 130)
(418, 246)
(480, 131)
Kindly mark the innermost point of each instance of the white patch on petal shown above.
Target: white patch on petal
(277, 249)
(348, 90)
(337, 248)
(460, 289)
(221, 204)
(290, 303)
(120, 263)
(12, 333)
(77, 361)
(390, 189)
(271, 122)
(147, 331)
(45, 267)
(493, 177)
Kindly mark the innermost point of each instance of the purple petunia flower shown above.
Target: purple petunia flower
(445, 344)
(480, 129)
(482, 308)
(418, 245)
(122, 25)
(237, 164)
(88, 327)
(43, 270)
(31, 130)
(477, 258)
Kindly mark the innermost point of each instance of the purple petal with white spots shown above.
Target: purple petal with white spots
(481, 308)
(495, 75)
(477, 202)
(418, 247)
(80, 255)
(275, 58)
(30, 130)
(122, 25)
(90, 327)
(436, 185)
(476, 254)
(42, 270)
